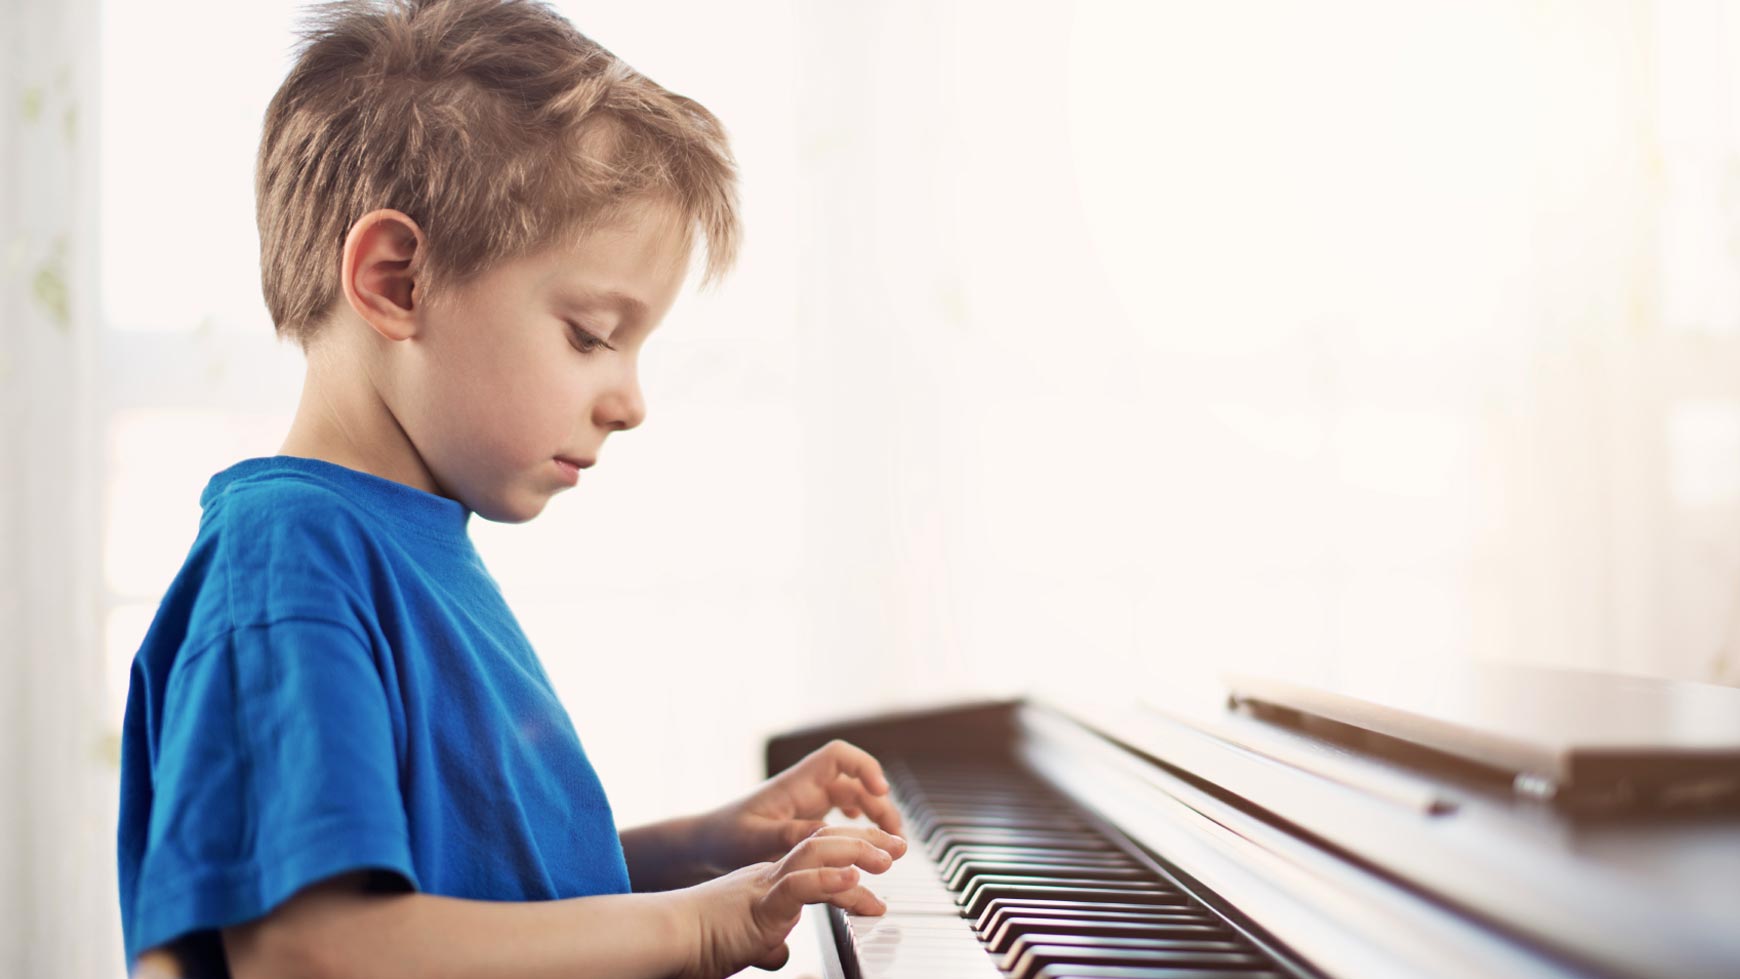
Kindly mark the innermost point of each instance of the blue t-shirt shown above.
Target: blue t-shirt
(333, 682)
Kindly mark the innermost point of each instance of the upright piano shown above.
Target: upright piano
(1468, 822)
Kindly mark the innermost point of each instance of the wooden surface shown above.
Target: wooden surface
(1564, 725)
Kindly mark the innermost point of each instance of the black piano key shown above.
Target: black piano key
(1017, 956)
(1052, 892)
(994, 832)
(1033, 851)
(1038, 957)
(994, 806)
(972, 870)
(927, 829)
(1006, 907)
(970, 892)
(1002, 798)
(1077, 840)
(1143, 972)
(926, 820)
(978, 885)
(1028, 855)
(1067, 837)
(1077, 912)
(998, 930)
(941, 843)
(1003, 937)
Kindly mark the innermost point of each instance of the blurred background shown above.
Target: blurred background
(1097, 344)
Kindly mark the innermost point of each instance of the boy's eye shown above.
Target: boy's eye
(585, 341)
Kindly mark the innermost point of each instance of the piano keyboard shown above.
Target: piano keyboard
(1010, 879)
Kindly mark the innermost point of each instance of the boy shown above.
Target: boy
(341, 756)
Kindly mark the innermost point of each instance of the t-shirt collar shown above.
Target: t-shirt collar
(405, 506)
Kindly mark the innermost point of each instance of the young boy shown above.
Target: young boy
(341, 757)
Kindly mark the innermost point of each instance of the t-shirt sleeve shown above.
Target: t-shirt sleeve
(275, 769)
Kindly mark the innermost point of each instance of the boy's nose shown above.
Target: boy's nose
(622, 408)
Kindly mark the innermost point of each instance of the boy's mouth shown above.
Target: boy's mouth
(570, 468)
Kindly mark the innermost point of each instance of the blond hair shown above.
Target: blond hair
(494, 124)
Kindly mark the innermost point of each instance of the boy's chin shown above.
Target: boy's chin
(512, 507)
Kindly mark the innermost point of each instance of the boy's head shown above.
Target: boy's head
(478, 177)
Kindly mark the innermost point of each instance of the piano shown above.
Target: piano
(1463, 822)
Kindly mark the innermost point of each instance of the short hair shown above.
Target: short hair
(494, 124)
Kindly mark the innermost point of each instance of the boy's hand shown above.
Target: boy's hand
(789, 807)
(743, 918)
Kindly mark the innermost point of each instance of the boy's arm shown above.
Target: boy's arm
(336, 928)
(667, 855)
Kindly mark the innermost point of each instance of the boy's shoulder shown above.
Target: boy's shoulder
(254, 487)
(262, 500)
(268, 528)
(281, 524)
(284, 536)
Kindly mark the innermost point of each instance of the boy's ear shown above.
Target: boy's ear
(381, 255)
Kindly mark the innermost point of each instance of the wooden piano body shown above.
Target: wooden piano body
(1096, 840)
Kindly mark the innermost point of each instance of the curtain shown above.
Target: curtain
(56, 763)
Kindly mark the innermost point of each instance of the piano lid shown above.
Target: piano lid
(1559, 733)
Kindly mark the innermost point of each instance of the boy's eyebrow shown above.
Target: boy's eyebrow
(621, 300)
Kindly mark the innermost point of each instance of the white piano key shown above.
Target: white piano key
(922, 935)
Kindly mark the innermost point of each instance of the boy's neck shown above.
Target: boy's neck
(344, 421)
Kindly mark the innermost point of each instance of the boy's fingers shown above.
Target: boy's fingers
(775, 959)
(798, 831)
(837, 851)
(858, 900)
(881, 812)
(785, 900)
(849, 794)
(885, 840)
(843, 757)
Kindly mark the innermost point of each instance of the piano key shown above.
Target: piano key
(969, 894)
(1033, 855)
(1018, 956)
(970, 870)
(963, 964)
(1000, 851)
(1153, 972)
(1026, 801)
(1003, 916)
(941, 842)
(1127, 894)
(1003, 908)
(1016, 803)
(1003, 937)
(927, 827)
(917, 947)
(1040, 956)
